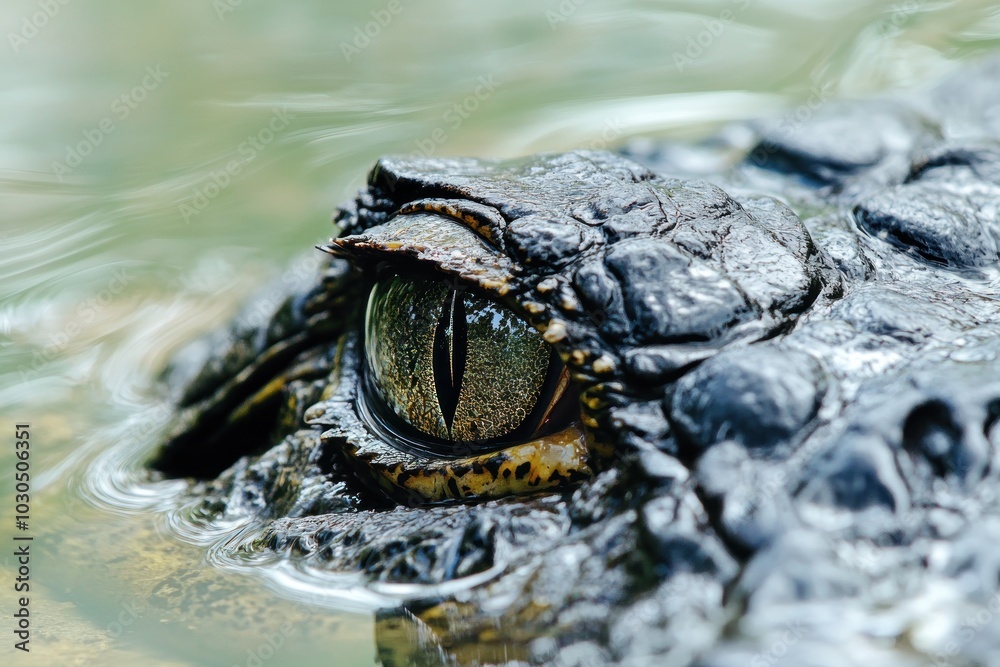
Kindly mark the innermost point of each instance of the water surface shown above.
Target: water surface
(159, 163)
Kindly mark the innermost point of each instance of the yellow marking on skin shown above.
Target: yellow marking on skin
(500, 287)
(264, 394)
(604, 364)
(479, 226)
(534, 307)
(569, 303)
(545, 463)
(600, 450)
(547, 285)
(333, 381)
(555, 332)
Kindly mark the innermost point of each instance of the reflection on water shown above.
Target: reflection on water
(160, 162)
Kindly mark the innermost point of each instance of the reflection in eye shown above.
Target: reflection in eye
(458, 368)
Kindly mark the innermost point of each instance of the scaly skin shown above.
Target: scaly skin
(789, 408)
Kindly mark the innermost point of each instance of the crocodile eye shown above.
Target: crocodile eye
(453, 373)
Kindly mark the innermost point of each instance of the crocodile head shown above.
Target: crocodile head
(564, 405)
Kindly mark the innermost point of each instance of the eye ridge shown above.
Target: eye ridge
(450, 351)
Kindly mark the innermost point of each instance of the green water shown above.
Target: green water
(159, 163)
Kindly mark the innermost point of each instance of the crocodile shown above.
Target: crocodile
(779, 351)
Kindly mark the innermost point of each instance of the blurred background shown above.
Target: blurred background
(160, 162)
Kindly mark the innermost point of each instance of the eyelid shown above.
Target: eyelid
(441, 244)
(554, 461)
(487, 222)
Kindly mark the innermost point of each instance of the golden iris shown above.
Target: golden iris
(457, 368)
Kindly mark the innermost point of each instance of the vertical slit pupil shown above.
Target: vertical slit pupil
(460, 344)
(450, 340)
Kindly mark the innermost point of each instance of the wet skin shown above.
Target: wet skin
(784, 342)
